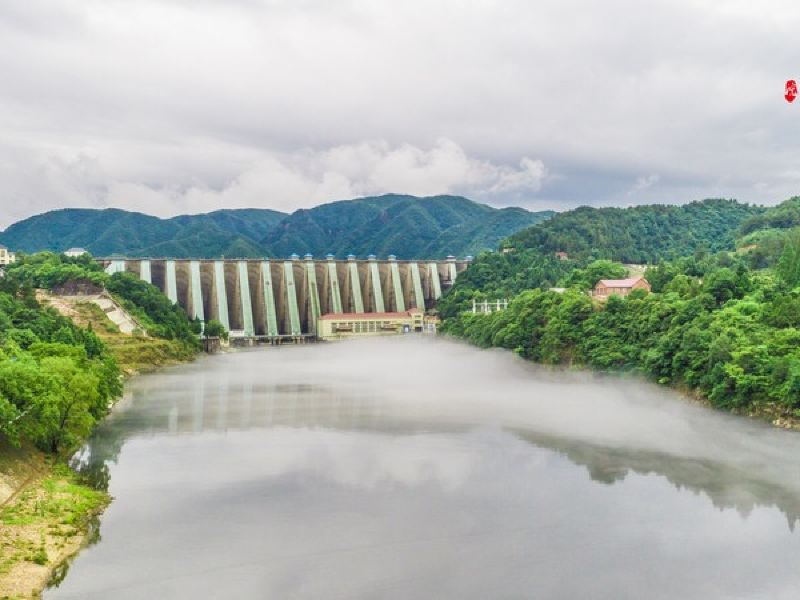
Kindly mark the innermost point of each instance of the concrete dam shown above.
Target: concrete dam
(278, 299)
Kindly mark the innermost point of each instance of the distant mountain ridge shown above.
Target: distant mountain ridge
(115, 231)
(407, 226)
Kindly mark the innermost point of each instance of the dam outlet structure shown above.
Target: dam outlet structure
(276, 301)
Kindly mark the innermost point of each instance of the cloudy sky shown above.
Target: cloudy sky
(185, 106)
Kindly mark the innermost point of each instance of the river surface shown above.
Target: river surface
(421, 468)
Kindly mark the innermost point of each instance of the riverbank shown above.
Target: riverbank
(739, 349)
(47, 513)
(772, 413)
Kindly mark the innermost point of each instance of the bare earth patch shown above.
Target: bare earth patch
(134, 351)
(41, 526)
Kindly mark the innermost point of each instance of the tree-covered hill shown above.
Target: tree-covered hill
(406, 226)
(114, 231)
(785, 215)
(641, 233)
(763, 237)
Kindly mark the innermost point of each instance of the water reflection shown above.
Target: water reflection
(724, 484)
(231, 401)
(408, 469)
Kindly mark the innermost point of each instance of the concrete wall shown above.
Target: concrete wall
(283, 297)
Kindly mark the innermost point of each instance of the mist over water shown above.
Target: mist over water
(416, 467)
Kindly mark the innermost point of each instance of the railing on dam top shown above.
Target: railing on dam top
(284, 298)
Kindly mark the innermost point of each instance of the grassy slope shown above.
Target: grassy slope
(134, 354)
(44, 523)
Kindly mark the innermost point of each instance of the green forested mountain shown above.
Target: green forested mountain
(406, 226)
(641, 233)
(114, 231)
(403, 225)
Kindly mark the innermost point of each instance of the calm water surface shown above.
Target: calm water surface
(418, 468)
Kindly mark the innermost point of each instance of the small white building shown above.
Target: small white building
(6, 256)
(73, 252)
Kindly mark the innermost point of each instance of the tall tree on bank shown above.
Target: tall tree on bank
(789, 263)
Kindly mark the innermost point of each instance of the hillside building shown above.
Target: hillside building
(562, 255)
(73, 252)
(620, 287)
(335, 326)
(6, 256)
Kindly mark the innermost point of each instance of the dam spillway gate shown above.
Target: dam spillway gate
(277, 299)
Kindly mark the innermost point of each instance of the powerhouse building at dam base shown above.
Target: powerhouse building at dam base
(269, 300)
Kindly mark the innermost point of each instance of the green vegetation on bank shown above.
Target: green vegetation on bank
(495, 275)
(57, 380)
(406, 226)
(215, 329)
(46, 519)
(726, 325)
(735, 337)
(45, 523)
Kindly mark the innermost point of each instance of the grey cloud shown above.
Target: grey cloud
(176, 104)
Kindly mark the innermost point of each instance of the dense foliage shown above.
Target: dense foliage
(406, 226)
(215, 328)
(500, 276)
(766, 238)
(160, 317)
(496, 276)
(56, 380)
(784, 216)
(641, 234)
(153, 309)
(712, 324)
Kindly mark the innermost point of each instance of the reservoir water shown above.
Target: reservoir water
(421, 468)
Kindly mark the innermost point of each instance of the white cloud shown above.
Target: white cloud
(299, 180)
(644, 182)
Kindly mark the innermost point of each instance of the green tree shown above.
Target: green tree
(215, 329)
(789, 263)
(587, 277)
